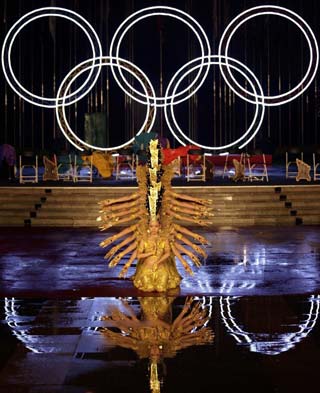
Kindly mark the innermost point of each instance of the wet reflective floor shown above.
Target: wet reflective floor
(247, 321)
(36, 262)
(199, 344)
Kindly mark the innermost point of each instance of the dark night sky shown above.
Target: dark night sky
(269, 45)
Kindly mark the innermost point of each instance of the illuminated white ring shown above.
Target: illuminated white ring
(14, 31)
(239, 67)
(128, 67)
(161, 11)
(302, 25)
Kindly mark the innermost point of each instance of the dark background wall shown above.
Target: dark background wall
(271, 46)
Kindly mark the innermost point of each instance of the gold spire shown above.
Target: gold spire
(155, 187)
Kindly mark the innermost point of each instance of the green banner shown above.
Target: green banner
(95, 128)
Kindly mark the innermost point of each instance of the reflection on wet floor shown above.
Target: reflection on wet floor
(252, 324)
(156, 335)
(167, 344)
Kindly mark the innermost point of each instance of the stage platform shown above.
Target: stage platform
(68, 262)
(259, 287)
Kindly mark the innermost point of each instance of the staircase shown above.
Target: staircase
(234, 206)
(19, 205)
(304, 201)
(76, 207)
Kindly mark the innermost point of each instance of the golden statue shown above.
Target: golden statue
(50, 169)
(154, 238)
(239, 170)
(303, 170)
(155, 335)
(103, 161)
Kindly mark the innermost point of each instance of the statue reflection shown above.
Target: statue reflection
(154, 334)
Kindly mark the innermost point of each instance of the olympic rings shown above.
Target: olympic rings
(19, 25)
(74, 74)
(172, 96)
(174, 13)
(302, 25)
(248, 75)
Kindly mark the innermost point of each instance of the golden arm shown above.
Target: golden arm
(195, 247)
(117, 236)
(116, 260)
(181, 259)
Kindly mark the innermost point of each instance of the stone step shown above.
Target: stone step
(212, 189)
(70, 206)
(218, 222)
(233, 206)
(215, 196)
(308, 211)
(11, 221)
(308, 204)
(311, 219)
(55, 222)
(74, 199)
(302, 196)
(65, 214)
(17, 206)
(302, 189)
(49, 206)
(115, 192)
(190, 191)
(207, 196)
(15, 213)
(20, 199)
(78, 211)
(257, 213)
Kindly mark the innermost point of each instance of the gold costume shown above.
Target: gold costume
(154, 238)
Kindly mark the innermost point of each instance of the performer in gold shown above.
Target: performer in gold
(155, 335)
(154, 238)
(156, 269)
